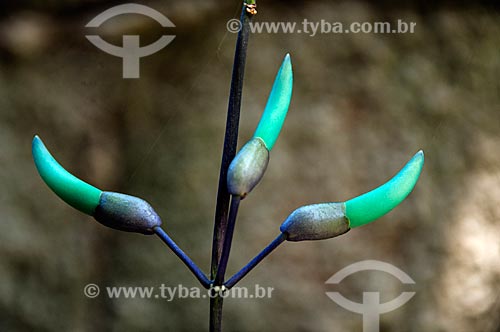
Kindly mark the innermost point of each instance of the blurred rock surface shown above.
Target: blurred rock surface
(362, 105)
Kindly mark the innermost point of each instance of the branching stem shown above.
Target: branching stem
(184, 258)
(254, 262)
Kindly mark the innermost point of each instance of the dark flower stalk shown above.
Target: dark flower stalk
(255, 261)
(202, 278)
(230, 145)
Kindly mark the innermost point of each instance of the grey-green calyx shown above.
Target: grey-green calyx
(316, 222)
(247, 168)
(126, 213)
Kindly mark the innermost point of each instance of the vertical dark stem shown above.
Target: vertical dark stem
(230, 144)
(233, 212)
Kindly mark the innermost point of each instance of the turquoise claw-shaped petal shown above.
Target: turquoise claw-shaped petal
(77, 193)
(374, 204)
(277, 105)
(115, 210)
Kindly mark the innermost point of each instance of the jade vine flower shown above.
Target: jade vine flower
(248, 167)
(118, 211)
(327, 220)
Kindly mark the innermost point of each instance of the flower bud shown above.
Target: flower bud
(326, 220)
(249, 165)
(118, 211)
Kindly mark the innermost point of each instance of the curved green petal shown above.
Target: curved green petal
(276, 109)
(80, 195)
(374, 204)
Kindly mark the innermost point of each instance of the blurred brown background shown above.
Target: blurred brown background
(362, 105)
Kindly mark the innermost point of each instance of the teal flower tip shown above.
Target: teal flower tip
(77, 193)
(287, 60)
(277, 105)
(374, 204)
